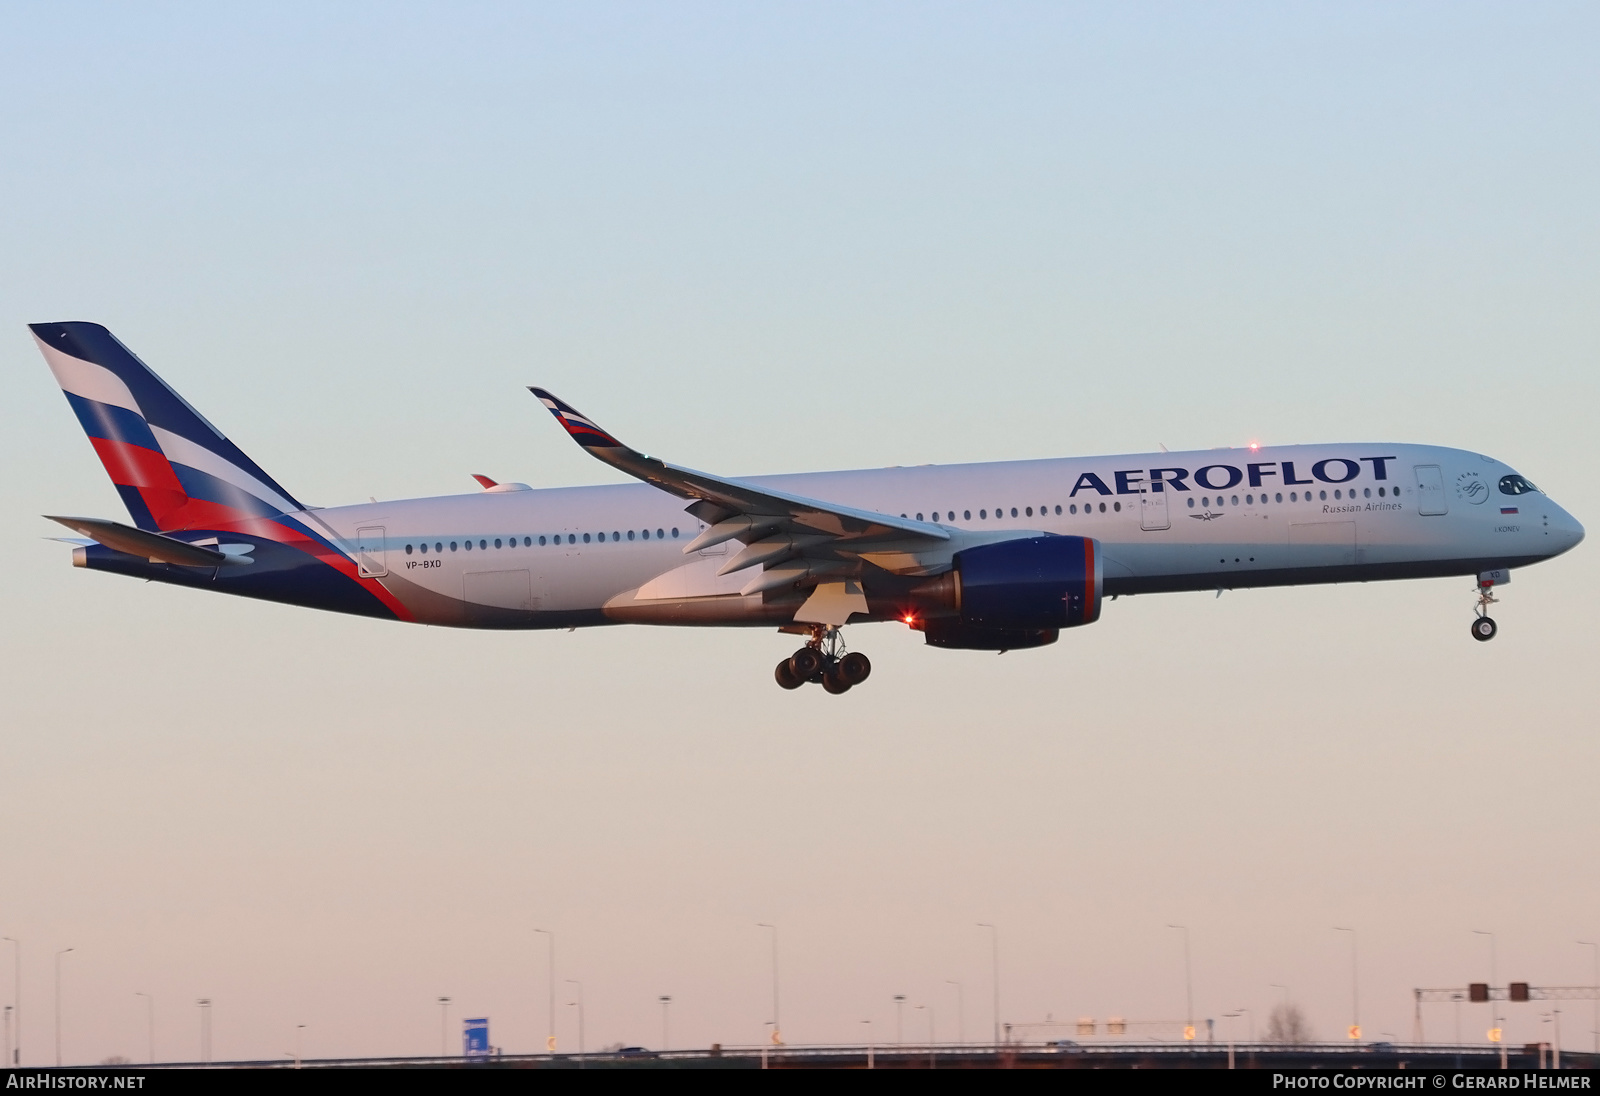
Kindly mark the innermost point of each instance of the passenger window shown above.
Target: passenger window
(1278, 497)
(572, 538)
(616, 535)
(1234, 500)
(662, 536)
(1380, 492)
(1102, 507)
(483, 544)
(586, 538)
(1206, 502)
(984, 514)
(1074, 508)
(1249, 500)
(674, 533)
(1324, 495)
(439, 547)
(1030, 511)
(453, 546)
(541, 542)
(966, 515)
(919, 515)
(468, 543)
(1058, 509)
(408, 549)
(497, 542)
(1191, 504)
(1013, 511)
(1117, 506)
(424, 547)
(630, 534)
(1366, 492)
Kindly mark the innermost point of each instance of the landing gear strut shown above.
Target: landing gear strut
(824, 661)
(1484, 627)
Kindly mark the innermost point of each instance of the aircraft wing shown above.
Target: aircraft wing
(799, 540)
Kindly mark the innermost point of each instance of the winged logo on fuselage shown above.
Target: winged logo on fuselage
(1470, 486)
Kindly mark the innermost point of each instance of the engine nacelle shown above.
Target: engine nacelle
(954, 635)
(1036, 583)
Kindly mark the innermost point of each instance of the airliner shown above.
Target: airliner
(988, 557)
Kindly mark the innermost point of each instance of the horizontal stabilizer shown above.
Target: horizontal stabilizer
(139, 542)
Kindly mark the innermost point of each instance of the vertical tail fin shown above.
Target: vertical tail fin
(173, 469)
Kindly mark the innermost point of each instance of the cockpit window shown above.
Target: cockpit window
(1516, 485)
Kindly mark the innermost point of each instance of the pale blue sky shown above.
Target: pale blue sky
(758, 238)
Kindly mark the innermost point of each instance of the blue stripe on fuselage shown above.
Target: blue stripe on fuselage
(205, 486)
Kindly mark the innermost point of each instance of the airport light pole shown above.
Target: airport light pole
(205, 1028)
(899, 1018)
(961, 1010)
(994, 946)
(777, 1032)
(666, 1003)
(932, 1034)
(550, 985)
(579, 1004)
(444, 1024)
(1188, 986)
(1494, 1011)
(1355, 985)
(1596, 983)
(298, 1028)
(16, 997)
(8, 1034)
(150, 1017)
(871, 1064)
(59, 954)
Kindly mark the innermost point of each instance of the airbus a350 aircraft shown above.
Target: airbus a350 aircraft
(984, 557)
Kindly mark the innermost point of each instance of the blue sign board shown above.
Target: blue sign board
(475, 1037)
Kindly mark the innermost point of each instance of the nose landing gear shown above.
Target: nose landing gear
(1484, 627)
(823, 661)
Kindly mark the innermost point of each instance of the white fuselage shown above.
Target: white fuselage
(1165, 521)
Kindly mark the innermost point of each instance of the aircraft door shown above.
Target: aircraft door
(1430, 490)
(370, 560)
(1153, 509)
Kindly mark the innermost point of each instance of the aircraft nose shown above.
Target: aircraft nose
(1567, 530)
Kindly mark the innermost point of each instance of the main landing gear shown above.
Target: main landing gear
(823, 661)
(1484, 627)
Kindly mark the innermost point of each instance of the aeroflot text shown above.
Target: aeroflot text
(1580, 1082)
(1220, 477)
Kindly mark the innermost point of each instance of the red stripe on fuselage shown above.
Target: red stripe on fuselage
(270, 529)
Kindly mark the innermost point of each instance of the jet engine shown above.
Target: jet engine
(1015, 594)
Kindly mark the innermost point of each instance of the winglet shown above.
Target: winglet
(484, 481)
(583, 431)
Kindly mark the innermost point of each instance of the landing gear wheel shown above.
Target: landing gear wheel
(1484, 629)
(854, 668)
(786, 676)
(806, 663)
(833, 681)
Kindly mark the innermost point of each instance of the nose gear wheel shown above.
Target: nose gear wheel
(1484, 627)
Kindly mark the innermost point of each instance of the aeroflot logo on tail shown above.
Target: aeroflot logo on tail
(1220, 477)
